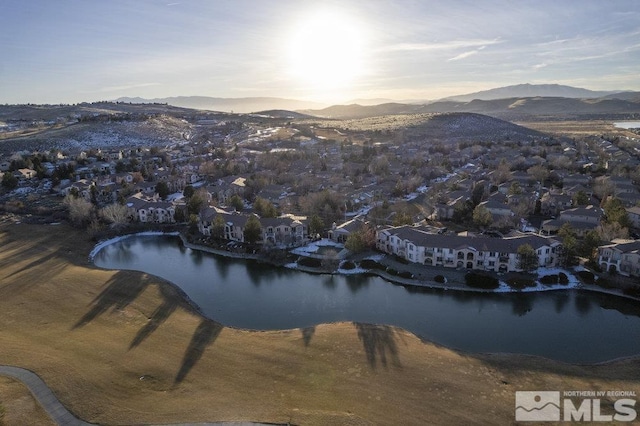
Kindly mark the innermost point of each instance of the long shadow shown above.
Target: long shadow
(37, 262)
(118, 294)
(307, 334)
(206, 333)
(173, 298)
(158, 316)
(379, 342)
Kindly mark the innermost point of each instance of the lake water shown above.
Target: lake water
(627, 124)
(571, 326)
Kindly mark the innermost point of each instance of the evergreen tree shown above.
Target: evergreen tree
(252, 230)
(527, 258)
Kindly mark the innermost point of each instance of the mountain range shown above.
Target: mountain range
(531, 90)
(510, 102)
(237, 105)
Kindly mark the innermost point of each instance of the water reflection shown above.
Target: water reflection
(583, 304)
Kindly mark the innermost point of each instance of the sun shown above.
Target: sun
(326, 51)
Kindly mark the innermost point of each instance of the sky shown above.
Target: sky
(69, 51)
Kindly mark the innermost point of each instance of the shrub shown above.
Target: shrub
(401, 260)
(310, 262)
(586, 276)
(405, 274)
(371, 264)
(476, 280)
(392, 271)
(549, 279)
(440, 279)
(563, 278)
(604, 283)
(520, 283)
(348, 265)
(633, 292)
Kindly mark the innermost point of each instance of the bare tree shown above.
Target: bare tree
(116, 214)
(79, 210)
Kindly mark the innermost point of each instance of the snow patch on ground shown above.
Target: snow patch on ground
(315, 246)
(105, 243)
(353, 271)
(573, 282)
(376, 257)
(175, 196)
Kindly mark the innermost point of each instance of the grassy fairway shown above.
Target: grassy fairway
(122, 347)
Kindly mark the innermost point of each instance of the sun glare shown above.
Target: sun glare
(326, 51)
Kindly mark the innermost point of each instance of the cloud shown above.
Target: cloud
(447, 45)
(464, 55)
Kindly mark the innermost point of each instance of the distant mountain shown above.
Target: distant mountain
(519, 108)
(531, 91)
(281, 113)
(372, 101)
(508, 108)
(237, 105)
(361, 111)
(625, 96)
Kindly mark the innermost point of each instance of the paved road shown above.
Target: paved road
(61, 415)
(43, 395)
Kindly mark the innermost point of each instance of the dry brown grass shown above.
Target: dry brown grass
(18, 407)
(123, 347)
(578, 128)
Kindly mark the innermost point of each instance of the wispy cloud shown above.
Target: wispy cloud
(447, 45)
(464, 55)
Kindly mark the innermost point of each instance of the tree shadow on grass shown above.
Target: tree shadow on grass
(379, 342)
(206, 333)
(158, 316)
(121, 290)
(307, 334)
(173, 298)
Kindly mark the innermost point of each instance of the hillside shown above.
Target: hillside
(31, 112)
(236, 105)
(531, 91)
(444, 127)
(153, 131)
(507, 108)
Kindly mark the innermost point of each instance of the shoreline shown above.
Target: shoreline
(392, 279)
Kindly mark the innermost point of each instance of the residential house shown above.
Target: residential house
(340, 233)
(417, 245)
(150, 210)
(621, 256)
(497, 209)
(285, 230)
(83, 188)
(634, 216)
(581, 220)
(230, 186)
(551, 204)
(25, 174)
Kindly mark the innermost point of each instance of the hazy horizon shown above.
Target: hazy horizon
(324, 51)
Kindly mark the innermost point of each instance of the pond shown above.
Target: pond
(569, 325)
